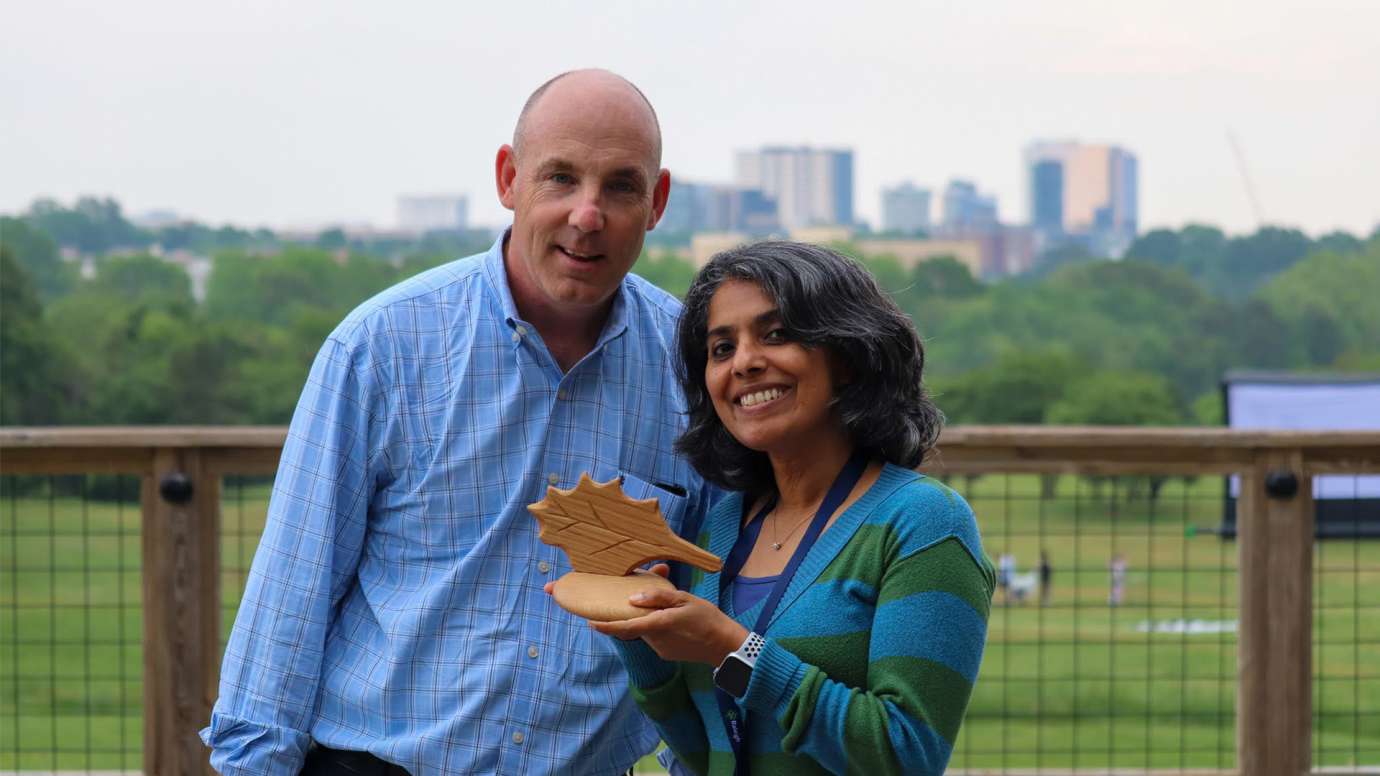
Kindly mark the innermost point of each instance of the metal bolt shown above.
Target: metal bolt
(176, 488)
(1281, 485)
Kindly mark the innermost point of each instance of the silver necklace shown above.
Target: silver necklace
(777, 543)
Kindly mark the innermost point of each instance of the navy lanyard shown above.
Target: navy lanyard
(735, 722)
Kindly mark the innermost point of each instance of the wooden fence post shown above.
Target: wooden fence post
(1274, 523)
(181, 535)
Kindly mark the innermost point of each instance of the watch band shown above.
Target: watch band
(735, 672)
(750, 649)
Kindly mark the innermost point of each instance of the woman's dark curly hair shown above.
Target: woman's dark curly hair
(825, 300)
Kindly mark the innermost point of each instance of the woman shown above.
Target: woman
(846, 628)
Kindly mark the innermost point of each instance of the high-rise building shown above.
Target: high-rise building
(965, 208)
(701, 207)
(433, 212)
(811, 186)
(905, 209)
(1083, 192)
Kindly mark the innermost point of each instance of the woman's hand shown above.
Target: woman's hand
(680, 627)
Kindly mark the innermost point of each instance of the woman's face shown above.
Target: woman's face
(771, 393)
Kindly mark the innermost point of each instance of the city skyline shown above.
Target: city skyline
(317, 113)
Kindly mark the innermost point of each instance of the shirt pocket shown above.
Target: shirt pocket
(672, 505)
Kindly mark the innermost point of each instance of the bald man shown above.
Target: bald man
(394, 619)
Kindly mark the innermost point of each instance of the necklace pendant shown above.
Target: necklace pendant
(776, 545)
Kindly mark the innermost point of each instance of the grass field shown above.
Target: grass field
(1071, 683)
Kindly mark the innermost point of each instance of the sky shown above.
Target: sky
(311, 113)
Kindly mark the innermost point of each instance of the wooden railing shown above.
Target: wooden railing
(181, 470)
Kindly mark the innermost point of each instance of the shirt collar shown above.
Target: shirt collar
(497, 274)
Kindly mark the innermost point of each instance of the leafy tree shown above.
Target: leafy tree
(1207, 410)
(93, 226)
(1018, 388)
(1108, 398)
(141, 275)
(1119, 398)
(1060, 256)
(35, 371)
(1158, 246)
(37, 255)
(272, 289)
(1338, 242)
(332, 240)
(944, 277)
(1327, 304)
(1251, 260)
(667, 271)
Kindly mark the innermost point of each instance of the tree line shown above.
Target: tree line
(1142, 341)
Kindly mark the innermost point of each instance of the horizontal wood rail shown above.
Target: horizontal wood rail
(961, 449)
(181, 470)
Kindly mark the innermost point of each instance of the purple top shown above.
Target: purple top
(747, 591)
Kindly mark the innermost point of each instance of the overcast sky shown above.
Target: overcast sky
(308, 113)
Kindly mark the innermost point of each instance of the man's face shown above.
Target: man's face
(584, 189)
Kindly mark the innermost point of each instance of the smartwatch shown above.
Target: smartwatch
(732, 675)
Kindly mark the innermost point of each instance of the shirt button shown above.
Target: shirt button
(517, 737)
(553, 478)
(544, 567)
(521, 331)
(532, 652)
(517, 337)
(561, 394)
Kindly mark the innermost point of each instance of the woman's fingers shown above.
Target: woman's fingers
(635, 628)
(662, 569)
(656, 598)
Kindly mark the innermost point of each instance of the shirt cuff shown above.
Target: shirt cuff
(240, 746)
(645, 667)
(775, 678)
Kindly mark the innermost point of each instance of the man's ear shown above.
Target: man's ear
(505, 171)
(660, 192)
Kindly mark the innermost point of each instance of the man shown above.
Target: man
(394, 615)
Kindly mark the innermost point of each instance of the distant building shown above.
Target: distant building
(1003, 250)
(908, 252)
(700, 207)
(906, 209)
(965, 208)
(157, 219)
(1085, 193)
(433, 212)
(811, 186)
(704, 245)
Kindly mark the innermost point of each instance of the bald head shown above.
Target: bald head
(597, 90)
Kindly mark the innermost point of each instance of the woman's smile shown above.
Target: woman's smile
(761, 398)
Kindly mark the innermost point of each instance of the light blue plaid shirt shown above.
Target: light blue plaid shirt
(395, 603)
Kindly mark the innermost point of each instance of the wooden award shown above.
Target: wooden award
(607, 535)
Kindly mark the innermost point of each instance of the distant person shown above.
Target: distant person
(845, 630)
(1117, 569)
(1006, 575)
(394, 620)
(1046, 578)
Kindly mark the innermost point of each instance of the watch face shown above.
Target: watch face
(733, 676)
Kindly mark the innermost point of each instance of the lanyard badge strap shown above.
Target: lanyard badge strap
(734, 718)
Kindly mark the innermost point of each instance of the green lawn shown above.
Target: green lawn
(1074, 683)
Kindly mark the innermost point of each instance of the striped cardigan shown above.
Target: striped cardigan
(870, 657)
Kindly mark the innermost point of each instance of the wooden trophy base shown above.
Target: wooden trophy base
(604, 597)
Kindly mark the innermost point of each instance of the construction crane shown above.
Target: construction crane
(1246, 179)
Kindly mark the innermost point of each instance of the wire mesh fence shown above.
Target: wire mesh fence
(71, 657)
(1346, 639)
(1112, 642)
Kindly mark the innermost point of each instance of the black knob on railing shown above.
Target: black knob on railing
(1281, 485)
(176, 488)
